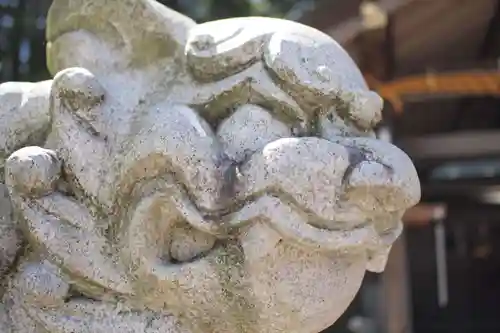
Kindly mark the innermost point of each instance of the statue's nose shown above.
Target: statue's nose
(384, 180)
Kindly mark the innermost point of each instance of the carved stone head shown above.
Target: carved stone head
(219, 177)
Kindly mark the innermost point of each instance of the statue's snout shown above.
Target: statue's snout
(383, 183)
(384, 180)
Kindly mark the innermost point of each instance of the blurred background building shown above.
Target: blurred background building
(436, 64)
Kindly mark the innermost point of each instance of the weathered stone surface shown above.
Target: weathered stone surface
(221, 177)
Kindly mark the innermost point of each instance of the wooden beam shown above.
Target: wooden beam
(491, 44)
(468, 144)
(347, 31)
(396, 298)
(395, 282)
(431, 85)
(488, 50)
(423, 214)
(375, 45)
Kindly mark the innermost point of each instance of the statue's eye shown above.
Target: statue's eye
(80, 92)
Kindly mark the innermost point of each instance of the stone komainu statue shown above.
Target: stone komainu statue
(184, 178)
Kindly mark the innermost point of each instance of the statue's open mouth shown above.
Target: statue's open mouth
(160, 213)
(146, 232)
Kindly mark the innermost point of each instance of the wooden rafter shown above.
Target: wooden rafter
(467, 83)
(351, 28)
(375, 44)
(423, 214)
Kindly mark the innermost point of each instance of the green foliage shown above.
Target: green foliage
(206, 10)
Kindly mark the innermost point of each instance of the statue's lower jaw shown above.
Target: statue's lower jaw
(377, 259)
(286, 288)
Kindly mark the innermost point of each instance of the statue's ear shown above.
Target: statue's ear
(113, 34)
